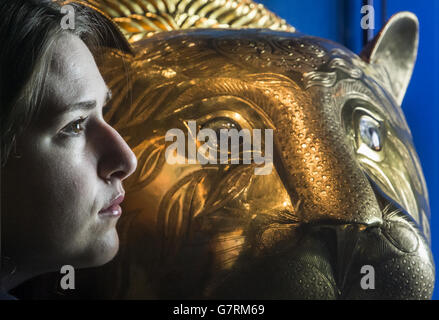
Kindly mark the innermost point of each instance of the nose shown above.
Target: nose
(317, 164)
(116, 160)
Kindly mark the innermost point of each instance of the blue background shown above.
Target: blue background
(339, 20)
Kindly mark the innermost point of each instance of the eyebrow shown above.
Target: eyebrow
(85, 105)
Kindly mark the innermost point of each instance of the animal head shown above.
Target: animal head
(344, 188)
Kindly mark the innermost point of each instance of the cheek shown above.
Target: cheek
(61, 191)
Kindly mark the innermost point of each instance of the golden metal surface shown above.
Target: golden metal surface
(138, 19)
(347, 189)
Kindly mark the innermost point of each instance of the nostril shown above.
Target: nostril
(401, 260)
(121, 175)
(401, 235)
(119, 167)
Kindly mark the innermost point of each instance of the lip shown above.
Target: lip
(113, 209)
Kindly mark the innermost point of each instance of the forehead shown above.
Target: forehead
(197, 64)
(180, 58)
(316, 65)
(73, 74)
(232, 51)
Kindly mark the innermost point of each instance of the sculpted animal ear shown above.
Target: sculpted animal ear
(394, 50)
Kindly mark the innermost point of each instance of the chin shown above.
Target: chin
(102, 251)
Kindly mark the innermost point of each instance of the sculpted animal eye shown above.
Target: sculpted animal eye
(217, 124)
(370, 132)
(221, 123)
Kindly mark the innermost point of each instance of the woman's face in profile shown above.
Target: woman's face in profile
(71, 168)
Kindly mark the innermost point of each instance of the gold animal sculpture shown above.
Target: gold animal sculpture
(346, 189)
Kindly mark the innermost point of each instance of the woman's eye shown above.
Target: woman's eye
(370, 133)
(74, 128)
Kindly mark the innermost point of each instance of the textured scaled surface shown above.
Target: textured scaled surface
(140, 18)
(346, 191)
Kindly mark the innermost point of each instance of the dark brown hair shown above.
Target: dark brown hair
(28, 31)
